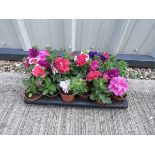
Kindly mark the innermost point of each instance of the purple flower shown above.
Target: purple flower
(109, 74)
(92, 54)
(44, 63)
(103, 58)
(33, 52)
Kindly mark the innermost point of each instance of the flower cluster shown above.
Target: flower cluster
(38, 60)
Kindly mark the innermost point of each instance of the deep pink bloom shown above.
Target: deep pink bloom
(94, 65)
(39, 71)
(105, 54)
(81, 59)
(118, 85)
(62, 65)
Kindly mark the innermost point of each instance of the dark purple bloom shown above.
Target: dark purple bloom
(44, 63)
(109, 74)
(92, 54)
(33, 52)
(103, 58)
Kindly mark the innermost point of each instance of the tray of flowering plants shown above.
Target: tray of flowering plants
(86, 79)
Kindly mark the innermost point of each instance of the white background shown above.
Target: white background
(77, 145)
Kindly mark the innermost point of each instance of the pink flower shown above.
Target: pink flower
(94, 65)
(33, 61)
(92, 75)
(81, 59)
(43, 54)
(62, 65)
(105, 54)
(39, 71)
(118, 85)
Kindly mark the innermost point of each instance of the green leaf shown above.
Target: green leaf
(45, 92)
(92, 97)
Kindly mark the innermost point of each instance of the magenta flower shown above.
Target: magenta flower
(118, 85)
(43, 54)
(33, 52)
(44, 63)
(108, 74)
(94, 65)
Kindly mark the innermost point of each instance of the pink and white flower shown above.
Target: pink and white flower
(33, 61)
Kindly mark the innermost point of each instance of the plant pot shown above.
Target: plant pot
(53, 96)
(118, 98)
(84, 97)
(100, 102)
(68, 98)
(33, 98)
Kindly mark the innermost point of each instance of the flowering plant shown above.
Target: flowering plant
(98, 72)
(100, 92)
(32, 86)
(48, 87)
(79, 86)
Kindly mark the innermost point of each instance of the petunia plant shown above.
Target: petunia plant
(100, 91)
(75, 73)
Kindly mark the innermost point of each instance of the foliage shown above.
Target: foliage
(78, 86)
(31, 87)
(113, 63)
(48, 87)
(100, 91)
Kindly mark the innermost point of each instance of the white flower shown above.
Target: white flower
(65, 85)
(75, 58)
(87, 57)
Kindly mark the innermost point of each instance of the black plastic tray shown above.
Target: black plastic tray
(77, 103)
